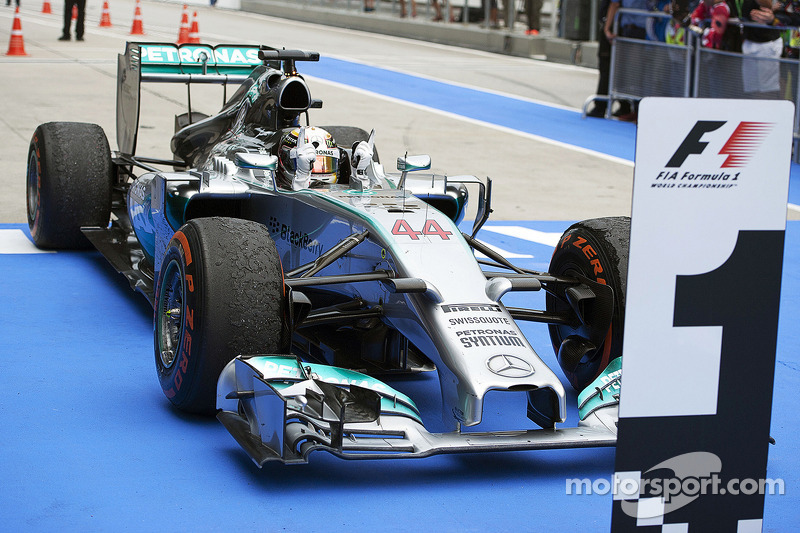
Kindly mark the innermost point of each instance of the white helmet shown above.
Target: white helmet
(326, 166)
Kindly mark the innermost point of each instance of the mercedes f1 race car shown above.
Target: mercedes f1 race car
(280, 303)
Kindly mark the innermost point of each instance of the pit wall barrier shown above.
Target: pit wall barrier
(478, 12)
(509, 38)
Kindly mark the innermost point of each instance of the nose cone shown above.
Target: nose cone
(482, 349)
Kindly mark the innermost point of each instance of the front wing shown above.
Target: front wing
(280, 409)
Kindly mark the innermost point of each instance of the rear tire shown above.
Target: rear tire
(596, 249)
(346, 136)
(220, 294)
(183, 120)
(69, 181)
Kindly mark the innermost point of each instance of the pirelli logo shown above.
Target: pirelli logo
(464, 308)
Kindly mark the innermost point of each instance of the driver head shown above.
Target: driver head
(326, 166)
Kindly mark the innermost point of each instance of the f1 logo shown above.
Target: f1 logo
(741, 145)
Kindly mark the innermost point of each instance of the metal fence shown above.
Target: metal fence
(464, 12)
(641, 68)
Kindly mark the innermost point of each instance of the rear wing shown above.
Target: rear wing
(171, 63)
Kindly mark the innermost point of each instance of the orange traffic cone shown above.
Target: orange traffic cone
(183, 33)
(105, 17)
(137, 28)
(46, 8)
(194, 35)
(16, 45)
(75, 12)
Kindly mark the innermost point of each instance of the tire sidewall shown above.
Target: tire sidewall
(583, 251)
(233, 303)
(345, 136)
(37, 153)
(177, 380)
(74, 175)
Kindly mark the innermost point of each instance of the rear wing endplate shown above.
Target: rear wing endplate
(170, 63)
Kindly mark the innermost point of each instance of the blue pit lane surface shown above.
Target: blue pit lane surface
(609, 137)
(612, 138)
(90, 443)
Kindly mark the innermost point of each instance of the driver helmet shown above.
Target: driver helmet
(326, 166)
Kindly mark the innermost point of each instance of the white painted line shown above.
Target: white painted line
(482, 123)
(14, 241)
(504, 253)
(794, 207)
(463, 85)
(527, 234)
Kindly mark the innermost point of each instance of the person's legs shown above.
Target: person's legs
(67, 20)
(79, 23)
(534, 10)
(438, 9)
(603, 68)
(532, 14)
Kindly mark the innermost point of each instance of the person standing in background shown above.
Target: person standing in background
(631, 26)
(718, 12)
(603, 60)
(404, 12)
(68, 6)
(533, 9)
(761, 79)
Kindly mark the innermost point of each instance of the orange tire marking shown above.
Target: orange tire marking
(185, 244)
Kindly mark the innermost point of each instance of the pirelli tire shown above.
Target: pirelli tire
(347, 136)
(68, 184)
(219, 294)
(596, 249)
(186, 119)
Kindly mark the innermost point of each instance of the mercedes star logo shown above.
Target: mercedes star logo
(509, 366)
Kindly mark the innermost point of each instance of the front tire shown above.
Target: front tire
(596, 249)
(69, 181)
(220, 293)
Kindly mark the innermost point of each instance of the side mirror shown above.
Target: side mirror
(406, 164)
(256, 161)
(248, 162)
(410, 163)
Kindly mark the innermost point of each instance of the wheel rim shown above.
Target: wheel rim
(572, 270)
(170, 313)
(33, 187)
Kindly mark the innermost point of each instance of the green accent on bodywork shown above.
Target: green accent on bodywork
(603, 391)
(273, 165)
(389, 240)
(327, 196)
(186, 59)
(281, 372)
(232, 59)
(413, 163)
(252, 93)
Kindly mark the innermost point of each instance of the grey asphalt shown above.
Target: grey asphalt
(533, 179)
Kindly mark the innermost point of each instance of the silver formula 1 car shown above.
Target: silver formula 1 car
(278, 308)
